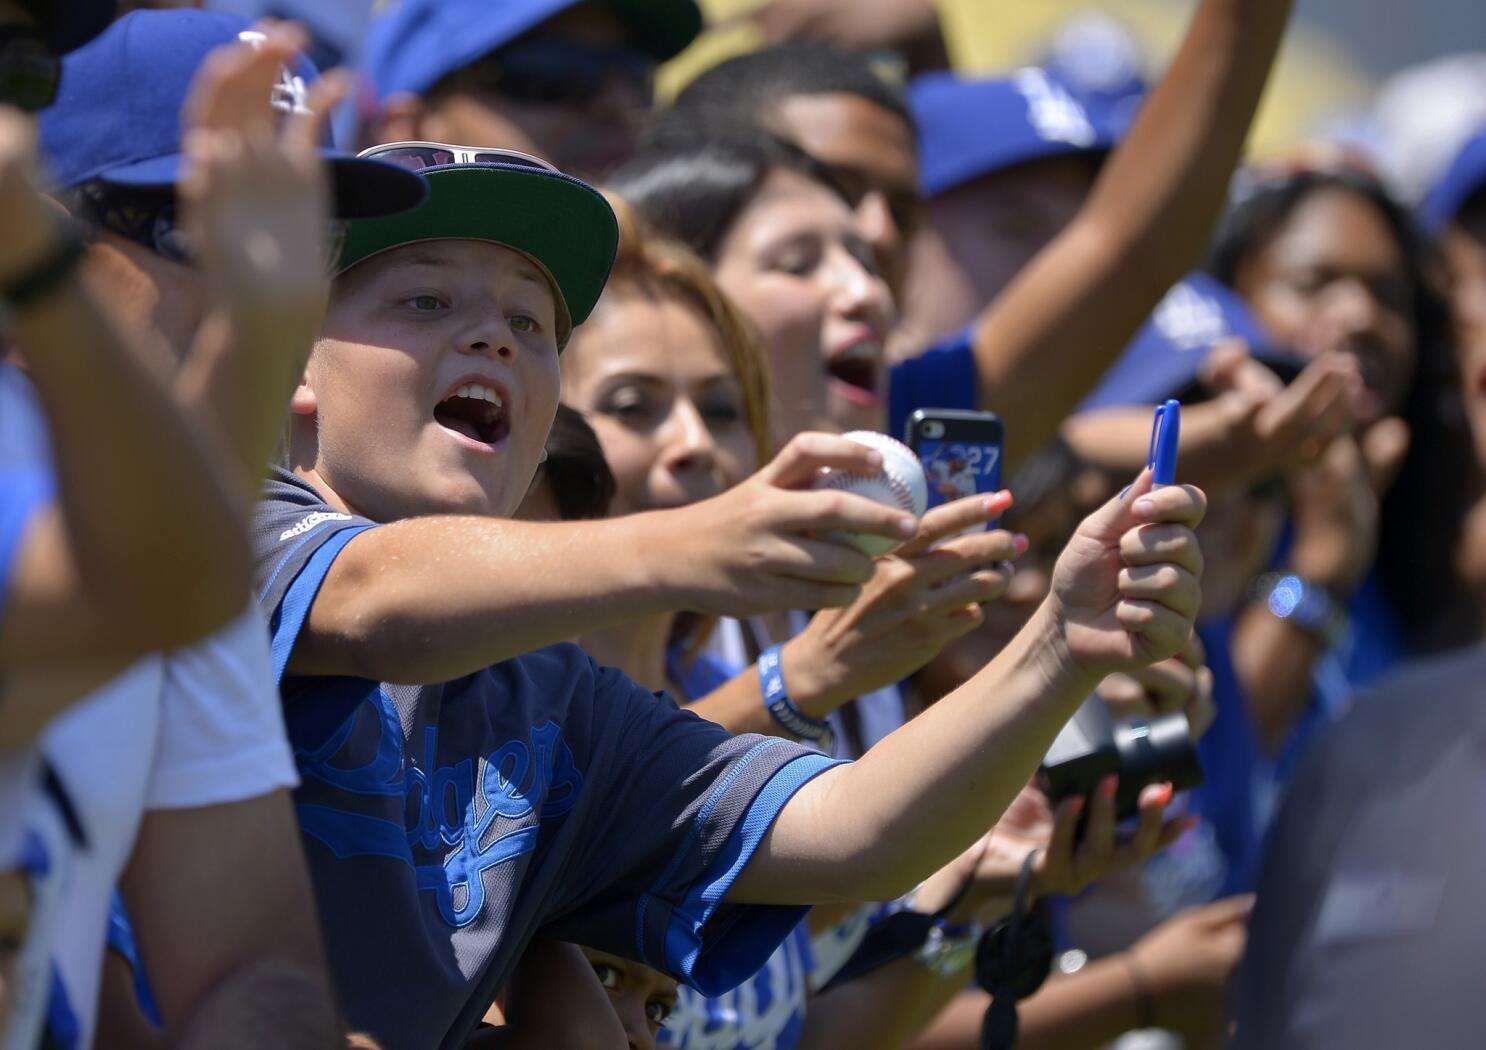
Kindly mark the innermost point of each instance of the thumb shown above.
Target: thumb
(1384, 446)
(1117, 517)
(1229, 910)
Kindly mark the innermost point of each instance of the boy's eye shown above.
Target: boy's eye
(425, 303)
(657, 1011)
(608, 976)
(523, 323)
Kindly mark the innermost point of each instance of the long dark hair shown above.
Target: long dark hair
(1423, 513)
(691, 183)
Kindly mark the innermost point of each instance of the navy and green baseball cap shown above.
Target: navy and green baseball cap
(969, 127)
(1463, 179)
(414, 44)
(117, 117)
(562, 224)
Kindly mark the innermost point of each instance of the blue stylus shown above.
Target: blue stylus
(1166, 431)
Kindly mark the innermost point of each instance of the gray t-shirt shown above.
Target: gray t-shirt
(448, 825)
(1369, 930)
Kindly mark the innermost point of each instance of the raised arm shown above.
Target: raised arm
(144, 547)
(1124, 595)
(431, 599)
(256, 202)
(1076, 305)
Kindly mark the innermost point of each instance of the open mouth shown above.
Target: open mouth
(858, 370)
(475, 411)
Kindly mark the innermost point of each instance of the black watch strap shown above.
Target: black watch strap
(46, 276)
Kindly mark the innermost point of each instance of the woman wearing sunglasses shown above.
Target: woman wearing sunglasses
(530, 790)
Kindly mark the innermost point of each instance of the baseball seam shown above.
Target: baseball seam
(896, 485)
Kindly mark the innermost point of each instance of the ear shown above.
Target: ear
(303, 402)
(400, 119)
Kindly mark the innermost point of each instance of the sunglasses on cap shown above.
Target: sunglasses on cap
(29, 71)
(559, 72)
(415, 156)
(149, 219)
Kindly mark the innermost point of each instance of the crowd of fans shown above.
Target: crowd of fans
(420, 626)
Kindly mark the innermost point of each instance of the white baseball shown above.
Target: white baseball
(900, 483)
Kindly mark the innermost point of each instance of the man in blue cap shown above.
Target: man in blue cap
(177, 764)
(566, 80)
(1006, 164)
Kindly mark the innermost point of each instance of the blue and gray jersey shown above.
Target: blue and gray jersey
(446, 826)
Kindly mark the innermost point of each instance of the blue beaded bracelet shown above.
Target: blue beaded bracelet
(776, 699)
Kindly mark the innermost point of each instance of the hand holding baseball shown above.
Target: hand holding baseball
(918, 600)
(774, 542)
(1125, 591)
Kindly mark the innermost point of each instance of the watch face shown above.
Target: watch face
(1308, 606)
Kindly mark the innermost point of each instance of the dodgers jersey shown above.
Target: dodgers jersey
(447, 825)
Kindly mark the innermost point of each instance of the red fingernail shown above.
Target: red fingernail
(1109, 785)
(1021, 544)
(996, 502)
(1163, 796)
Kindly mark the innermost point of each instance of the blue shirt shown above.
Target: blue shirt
(26, 485)
(766, 1011)
(446, 826)
(944, 376)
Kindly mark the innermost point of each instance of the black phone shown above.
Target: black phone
(960, 451)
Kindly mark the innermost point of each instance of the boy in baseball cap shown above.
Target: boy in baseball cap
(515, 789)
(567, 80)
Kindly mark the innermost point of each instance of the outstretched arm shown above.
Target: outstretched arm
(1124, 595)
(917, 601)
(431, 599)
(1072, 310)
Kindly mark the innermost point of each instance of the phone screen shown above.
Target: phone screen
(959, 468)
(960, 452)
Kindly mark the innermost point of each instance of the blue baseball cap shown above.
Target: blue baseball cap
(1165, 357)
(117, 117)
(69, 24)
(416, 43)
(969, 128)
(1465, 175)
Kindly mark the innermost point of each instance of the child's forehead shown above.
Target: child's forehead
(467, 259)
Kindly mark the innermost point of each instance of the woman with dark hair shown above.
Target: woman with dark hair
(1332, 265)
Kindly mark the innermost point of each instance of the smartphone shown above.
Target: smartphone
(960, 451)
